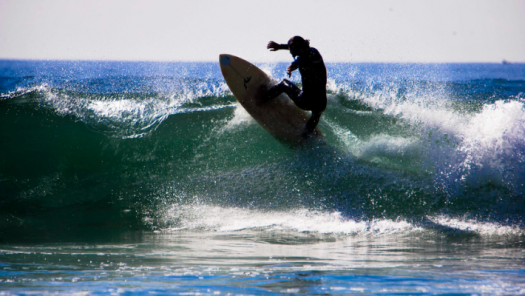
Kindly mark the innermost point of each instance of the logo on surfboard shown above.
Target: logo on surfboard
(246, 80)
(225, 60)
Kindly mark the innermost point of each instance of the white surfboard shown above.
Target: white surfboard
(280, 116)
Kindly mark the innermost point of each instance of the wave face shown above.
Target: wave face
(102, 148)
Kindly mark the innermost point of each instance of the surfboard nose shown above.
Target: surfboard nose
(224, 59)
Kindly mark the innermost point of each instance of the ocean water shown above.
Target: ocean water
(148, 178)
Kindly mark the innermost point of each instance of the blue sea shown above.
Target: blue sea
(149, 178)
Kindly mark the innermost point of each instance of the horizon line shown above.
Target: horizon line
(503, 61)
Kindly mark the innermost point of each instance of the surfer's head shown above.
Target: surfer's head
(298, 45)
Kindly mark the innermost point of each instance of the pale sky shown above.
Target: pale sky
(200, 30)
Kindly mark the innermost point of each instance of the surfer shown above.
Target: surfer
(313, 75)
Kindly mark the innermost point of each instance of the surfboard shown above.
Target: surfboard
(280, 116)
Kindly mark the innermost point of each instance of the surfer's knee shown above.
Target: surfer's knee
(290, 89)
(285, 86)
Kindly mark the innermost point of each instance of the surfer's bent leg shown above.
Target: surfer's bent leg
(284, 86)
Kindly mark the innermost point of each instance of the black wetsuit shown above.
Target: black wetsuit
(313, 76)
(313, 95)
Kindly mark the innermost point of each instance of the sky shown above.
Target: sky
(423, 31)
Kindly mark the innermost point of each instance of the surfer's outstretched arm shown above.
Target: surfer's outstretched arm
(274, 46)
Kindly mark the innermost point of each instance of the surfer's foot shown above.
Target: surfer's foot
(260, 96)
(306, 135)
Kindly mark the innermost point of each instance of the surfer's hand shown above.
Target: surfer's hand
(289, 70)
(273, 46)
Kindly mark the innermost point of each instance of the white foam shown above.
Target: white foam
(471, 147)
(126, 116)
(495, 138)
(344, 135)
(471, 225)
(218, 218)
(227, 219)
(432, 112)
(133, 111)
(387, 146)
(267, 68)
(487, 146)
(240, 118)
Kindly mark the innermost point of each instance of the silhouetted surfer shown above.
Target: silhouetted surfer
(313, 74)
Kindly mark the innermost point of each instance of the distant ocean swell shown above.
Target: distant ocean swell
(404, 153)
